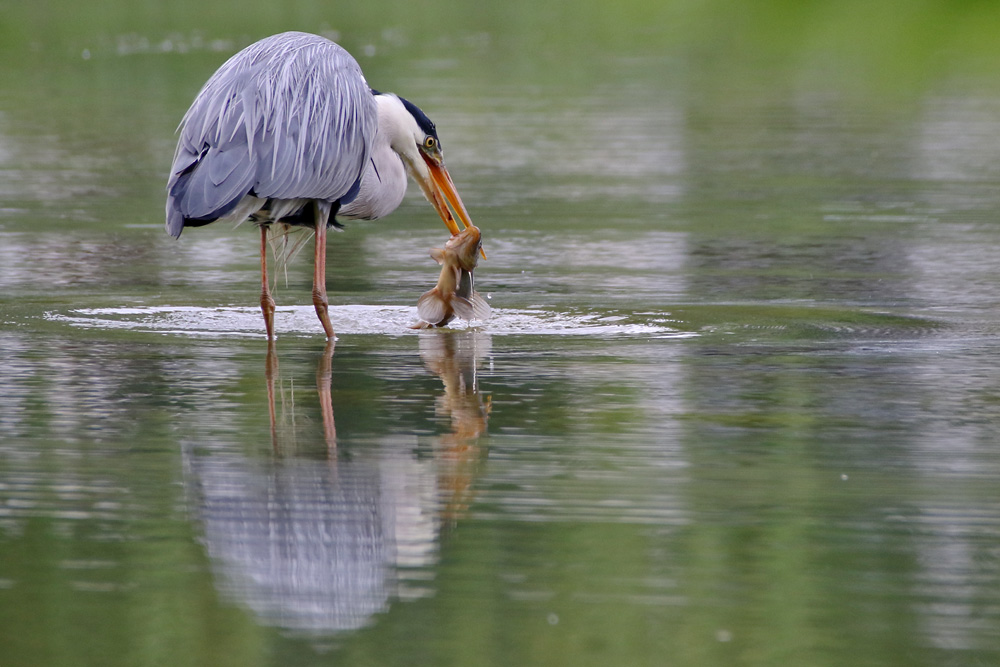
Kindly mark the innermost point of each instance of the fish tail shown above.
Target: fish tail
(473, 308)
(434, 307)
(463, 308)
(480, 307)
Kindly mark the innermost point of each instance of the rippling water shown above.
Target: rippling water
(737, 402)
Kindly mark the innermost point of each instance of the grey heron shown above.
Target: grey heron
(287, 132)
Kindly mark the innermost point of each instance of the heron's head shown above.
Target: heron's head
(414, 138)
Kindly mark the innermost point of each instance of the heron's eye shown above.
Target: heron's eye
(430, 143)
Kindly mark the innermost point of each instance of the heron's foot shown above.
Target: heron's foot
(322, 311)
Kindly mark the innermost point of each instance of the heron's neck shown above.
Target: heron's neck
(383, 183)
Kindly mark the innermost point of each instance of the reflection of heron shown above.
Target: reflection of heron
(315, 545)
(287, 131)
(321, 545)
(324, 377)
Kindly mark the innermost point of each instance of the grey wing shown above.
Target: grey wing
(290, 116)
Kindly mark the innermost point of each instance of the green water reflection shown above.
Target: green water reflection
(738, 404)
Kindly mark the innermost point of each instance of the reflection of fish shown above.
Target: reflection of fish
(454, 293)
(455, 356)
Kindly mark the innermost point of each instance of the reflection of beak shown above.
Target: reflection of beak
(439, 188)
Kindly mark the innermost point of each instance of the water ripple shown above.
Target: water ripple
(351, 319)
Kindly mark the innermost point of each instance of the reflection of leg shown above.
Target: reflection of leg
(319, 269)
(324, 380)
(270, 371)
(266, 302)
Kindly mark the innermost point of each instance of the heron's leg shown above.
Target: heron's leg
(266, 301)
(319, 269)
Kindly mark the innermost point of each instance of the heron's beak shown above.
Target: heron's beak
(440, 189)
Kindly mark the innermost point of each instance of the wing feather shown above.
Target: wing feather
(289, 117)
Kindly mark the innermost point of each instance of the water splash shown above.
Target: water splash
(354, 319)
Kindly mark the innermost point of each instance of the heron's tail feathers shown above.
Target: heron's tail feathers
(286, 241)
(175, 220)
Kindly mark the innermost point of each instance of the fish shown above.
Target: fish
(455, 294)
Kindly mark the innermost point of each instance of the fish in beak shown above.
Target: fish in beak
(440, 192)
(455, 294)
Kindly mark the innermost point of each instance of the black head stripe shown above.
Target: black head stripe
(423, 121)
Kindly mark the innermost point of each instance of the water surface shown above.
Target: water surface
(738, 402)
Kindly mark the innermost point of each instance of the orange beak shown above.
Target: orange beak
(440, 191)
